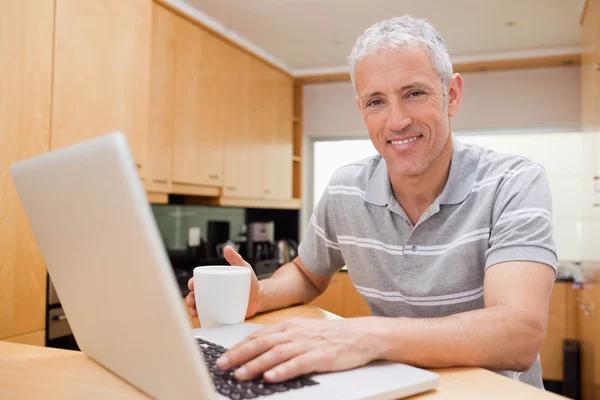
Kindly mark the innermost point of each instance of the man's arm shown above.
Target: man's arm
(291, 284)
(506, 335)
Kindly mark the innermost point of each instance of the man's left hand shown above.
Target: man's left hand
(302, 346)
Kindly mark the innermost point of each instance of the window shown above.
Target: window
(331, 155)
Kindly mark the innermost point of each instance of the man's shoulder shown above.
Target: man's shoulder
(355, 174)
(502, 166)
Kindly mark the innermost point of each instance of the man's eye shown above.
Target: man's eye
(416, 93)
(374, 102)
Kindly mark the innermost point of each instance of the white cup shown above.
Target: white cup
(222, 294)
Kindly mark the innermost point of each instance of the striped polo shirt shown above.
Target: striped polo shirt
(494, 208)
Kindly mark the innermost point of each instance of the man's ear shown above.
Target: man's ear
(455, 95)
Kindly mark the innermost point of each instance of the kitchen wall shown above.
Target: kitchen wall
(502, 100)
(174, 220)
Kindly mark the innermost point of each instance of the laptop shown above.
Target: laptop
(95, 228)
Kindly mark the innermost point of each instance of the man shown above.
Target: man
(450, 245)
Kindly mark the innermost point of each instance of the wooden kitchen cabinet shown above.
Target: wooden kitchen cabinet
(26, 28)
(220, 120)
(101, 72)
(201, 99)
(342, 298)
(278, 155)
(242, 160)
(332, 299)
(162, 99)
(588, 328)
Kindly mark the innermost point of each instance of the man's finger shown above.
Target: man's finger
(191, 284)
(248, 350)
(234, 258)
(303, 364)
(270, 359)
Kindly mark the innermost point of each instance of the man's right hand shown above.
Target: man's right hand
(233, 258)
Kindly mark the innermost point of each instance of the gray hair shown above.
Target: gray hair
(398, 31)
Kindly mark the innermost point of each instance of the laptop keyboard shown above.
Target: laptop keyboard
(228, 386)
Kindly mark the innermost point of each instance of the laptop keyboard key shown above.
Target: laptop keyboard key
(226, 384)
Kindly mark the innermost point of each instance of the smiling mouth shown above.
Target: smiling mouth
(412, 139)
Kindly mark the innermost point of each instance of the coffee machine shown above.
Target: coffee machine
(261, 241)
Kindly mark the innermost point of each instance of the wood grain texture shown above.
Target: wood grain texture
(200, 72)
(162, 99)
(293, 204)
(221, 37)
(40, 372)
(354, 305)
(26, 28)
(588, 327)
(101, 72)
(332, 299)
(37, 338)
(551, 353)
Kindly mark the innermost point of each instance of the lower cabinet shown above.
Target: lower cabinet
(36, 338)
(342, 298)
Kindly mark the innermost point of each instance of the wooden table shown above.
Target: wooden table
(31, 372)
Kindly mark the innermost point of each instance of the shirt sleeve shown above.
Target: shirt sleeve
(319, 250)
(522, 226)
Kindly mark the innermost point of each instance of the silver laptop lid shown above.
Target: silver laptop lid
(97, 234)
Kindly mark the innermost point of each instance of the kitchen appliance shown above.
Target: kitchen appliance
(285, 251)
(261, 240)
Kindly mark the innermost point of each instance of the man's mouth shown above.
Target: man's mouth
(404, 141)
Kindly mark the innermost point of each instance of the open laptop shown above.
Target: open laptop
(96, 231)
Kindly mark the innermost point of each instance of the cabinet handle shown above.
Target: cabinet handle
(597, 67)
(231, 188)
(596, 178)
(268, 191)
(213, 176)
(164, 181)
(138, 165)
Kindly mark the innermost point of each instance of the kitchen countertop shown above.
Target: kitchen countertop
(40, 372)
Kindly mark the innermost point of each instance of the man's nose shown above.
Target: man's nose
(399, 118)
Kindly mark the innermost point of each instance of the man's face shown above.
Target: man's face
(401, 98)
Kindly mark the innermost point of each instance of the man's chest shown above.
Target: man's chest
(434, 268)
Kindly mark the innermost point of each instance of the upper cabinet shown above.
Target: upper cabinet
(200, 103)
(162, 100)
(220, 119)
(101, 72)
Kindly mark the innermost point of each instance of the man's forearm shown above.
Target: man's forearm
(286, 287)
(497, 338)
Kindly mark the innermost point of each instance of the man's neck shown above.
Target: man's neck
(416, 193)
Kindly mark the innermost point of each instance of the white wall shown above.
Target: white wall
(520, 99)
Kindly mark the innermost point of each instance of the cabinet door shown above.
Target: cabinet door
(258, 123)
(26, 28)
(282, 149)
(277, 159)
(162, 99)
(200, 107)
(101, 72)
(354, 305)
(332, 299)
(243, 130)
(588, 325)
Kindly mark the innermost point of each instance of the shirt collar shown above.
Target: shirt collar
(463, 169)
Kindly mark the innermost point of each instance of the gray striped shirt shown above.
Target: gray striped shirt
(494, 208)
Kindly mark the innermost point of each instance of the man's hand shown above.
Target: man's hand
(302, 346)
(233, 258)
